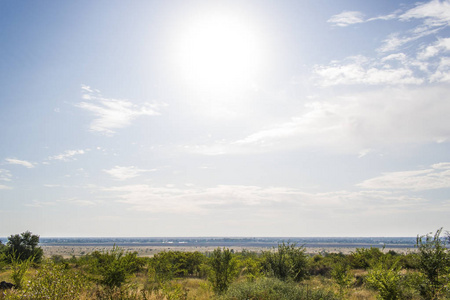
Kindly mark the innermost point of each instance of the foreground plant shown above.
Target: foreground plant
(18, 269)
(275, 289)
(289, 262)
(342, 276)
(386, 280)
(115, 266)
(52, 282)
(433, 261)
(223, 269)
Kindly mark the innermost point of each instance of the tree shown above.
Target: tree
(223, 269)
(433, 262)
(342, 276)
(24, 246)
(115, 266)
(289, 262)
(386, 278)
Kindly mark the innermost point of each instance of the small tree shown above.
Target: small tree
(289, 262)
(24, 246)
(341, 275)
(115, 266)
(223, 269)
(433, 262)
(18, 269)
(385, 279)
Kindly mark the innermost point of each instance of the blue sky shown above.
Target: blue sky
(224, 118)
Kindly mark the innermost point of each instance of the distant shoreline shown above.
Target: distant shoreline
(68, 247)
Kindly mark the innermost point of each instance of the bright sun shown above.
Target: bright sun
(218, 51)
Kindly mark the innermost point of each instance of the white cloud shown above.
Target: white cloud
(421, 67)
(347, 18)
(435, 177)
(67, 155)
(123, 173)
(5, 175)
(362, 70)
(440, 46)
(436, 13)
(396, 40)
(370, 120)
(222, 197)
(5, 187)
(112, 113)
(442, 73)
(76, 201)
(14, 161)
(37, 203)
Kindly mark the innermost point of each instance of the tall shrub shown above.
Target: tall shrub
(223, 269)
(287, 262)
(433, 261)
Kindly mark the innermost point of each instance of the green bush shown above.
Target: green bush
(18, 269)
(52, 282)
(223, 269)
(364, 258)
(24, 246)
(386, 279)
(115, 266)
(170, 264)
(275, 289)
(288, 262)
(342, 277)
(433, 262)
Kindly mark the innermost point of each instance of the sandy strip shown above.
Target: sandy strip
(69, 251)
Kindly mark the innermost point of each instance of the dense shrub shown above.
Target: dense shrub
(115, 266)
(364, 258)
(170, 264)
(288, 262)
(275, 289)
(223, 269)
(23, 247)
(386, 279)
(322, 264)
(433, 262)
(342, 276)
(52, 282)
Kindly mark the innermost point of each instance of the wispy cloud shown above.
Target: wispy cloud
(435, 177)
(362, 70)
(37, 203)
(14, 161)
(123, 173)
(5, 187)
(421, 65)
(5, 175)
(76, 201)
(435, 13)
(353, 123)
(110, 113)
(347, 18)
(67, 155)
(207, 200)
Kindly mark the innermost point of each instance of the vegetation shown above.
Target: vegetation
(223, 269)
(288, 262)
(23, 247)
(285, 272)
(433, 262)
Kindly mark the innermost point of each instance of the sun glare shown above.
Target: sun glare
(218, 52)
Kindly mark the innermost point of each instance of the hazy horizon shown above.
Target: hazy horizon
(225, 118)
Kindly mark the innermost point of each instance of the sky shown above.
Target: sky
(224, 118)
